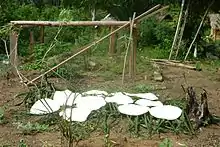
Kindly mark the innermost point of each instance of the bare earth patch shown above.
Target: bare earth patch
(209, 136)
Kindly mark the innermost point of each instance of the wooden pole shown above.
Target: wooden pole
(69, 23)
(133, 52)
(42, 34)
(13, 50)
(177, 30)
(31, 46)
(112, 41)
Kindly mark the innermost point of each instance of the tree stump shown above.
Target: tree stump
(198, 113)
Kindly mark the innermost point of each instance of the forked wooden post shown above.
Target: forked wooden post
(112, 41)
(132, 62)
(42, 34)
(13, 50)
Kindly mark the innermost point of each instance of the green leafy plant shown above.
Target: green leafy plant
(22, 143)
(1, 115)
(166, 143)
(32, 128)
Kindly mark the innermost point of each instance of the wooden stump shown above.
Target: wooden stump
(198, 113)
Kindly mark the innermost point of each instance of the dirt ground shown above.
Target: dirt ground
(208, 137)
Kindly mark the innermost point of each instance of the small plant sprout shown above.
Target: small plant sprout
(149, 96)
(44, 106)
(119, 98)
(148, 103)
(133, 110)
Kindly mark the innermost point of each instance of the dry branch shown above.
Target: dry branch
(95, 42)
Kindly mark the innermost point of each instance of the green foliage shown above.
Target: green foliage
(1, 115)
(22, 143)
(50, 13)
(32, 128)
(26, 12)
(166, 143)
(143, 88)
(155, 33)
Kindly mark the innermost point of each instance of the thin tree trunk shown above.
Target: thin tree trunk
(182, 29)
(200, 26)
(177, 29)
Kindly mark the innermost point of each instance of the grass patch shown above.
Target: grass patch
(32, 128)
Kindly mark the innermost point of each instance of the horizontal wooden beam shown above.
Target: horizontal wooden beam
(69, 23)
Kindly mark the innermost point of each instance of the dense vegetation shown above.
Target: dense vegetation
(156, 36)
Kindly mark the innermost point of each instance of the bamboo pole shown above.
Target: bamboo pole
(69, 23)
(177, 29)
(95, 42)
(128, 46)
(182, 28)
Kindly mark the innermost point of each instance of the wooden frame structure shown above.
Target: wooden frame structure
(112, 24)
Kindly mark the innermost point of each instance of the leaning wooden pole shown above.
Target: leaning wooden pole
(177, 29)
(182, 28)
(95, 42)
(200, 26)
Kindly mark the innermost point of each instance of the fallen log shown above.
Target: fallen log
(169, 63)
(175, 61)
